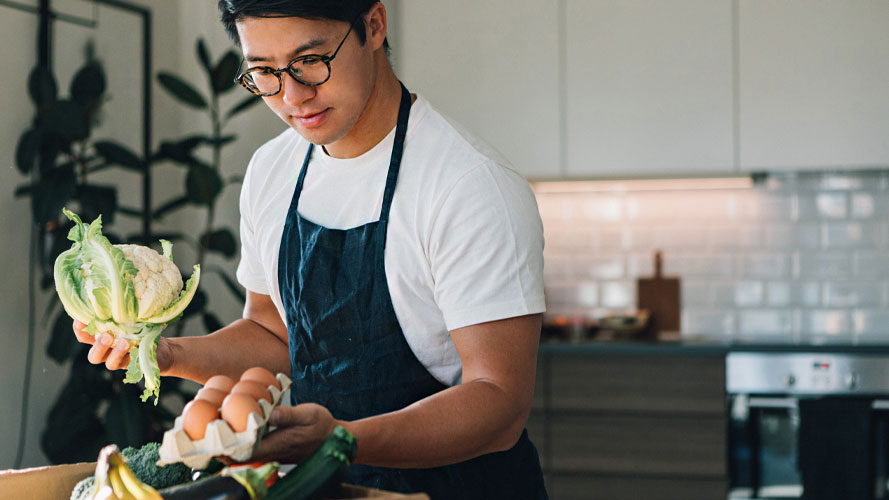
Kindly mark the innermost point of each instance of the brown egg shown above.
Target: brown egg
(256, 390)
(220, 382)
(236, 408)
(261, 375)
(195, 417)
(214, 396)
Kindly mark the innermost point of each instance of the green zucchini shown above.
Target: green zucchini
(321, 473)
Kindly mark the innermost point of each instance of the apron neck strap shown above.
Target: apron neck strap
(404, 110)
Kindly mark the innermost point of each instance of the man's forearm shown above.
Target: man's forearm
(228, 351)
(454, 425)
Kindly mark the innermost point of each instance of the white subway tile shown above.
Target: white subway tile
(569, 239)
(556, 268)
(871, 264)
(862, 205)
(836, 181)
(826, 325)
(832, 205)
(851, 235)
(734, 237)
(852, 294)
(807, 236)
(600, 268)
(749, 293)
(757, 323)
(806, 293)
(824, 265)
(696, 294)
(780, 236)
(556, 209)
(722, 293)
(700, 265)
(765, 265)
(618, 294)
(778, 294)
(709, 323)
(611, 238)
(603, 208)
(680, 205)
(640, 265)
(767, 206)
(872, 324)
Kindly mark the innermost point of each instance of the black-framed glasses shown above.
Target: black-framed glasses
(311, 70)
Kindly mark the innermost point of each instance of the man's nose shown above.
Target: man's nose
(294, 92)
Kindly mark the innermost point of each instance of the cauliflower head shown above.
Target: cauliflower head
(128, 291)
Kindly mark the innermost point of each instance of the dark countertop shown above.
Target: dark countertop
(697, 348)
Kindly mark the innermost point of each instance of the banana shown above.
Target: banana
(115, 481)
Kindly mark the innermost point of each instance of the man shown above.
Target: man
(393, 266)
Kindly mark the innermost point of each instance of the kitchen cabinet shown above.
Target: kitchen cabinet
(813, 84)
(648, 87)
(492, 66)
(626, 426)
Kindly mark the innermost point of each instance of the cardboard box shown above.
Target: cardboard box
(56, 483)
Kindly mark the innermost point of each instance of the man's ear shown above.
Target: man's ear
(376, 25)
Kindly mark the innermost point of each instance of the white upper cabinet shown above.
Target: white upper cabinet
(814, 84)
(648, 87)
(492, 66)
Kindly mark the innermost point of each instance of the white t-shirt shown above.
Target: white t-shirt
(464, 243)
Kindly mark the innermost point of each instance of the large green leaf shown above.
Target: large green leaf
(247, 103)
(119, 154)
(204, 56)
(202, 185)
(67, 119)
(221, 241)
(98, 200)
(62, 345)
(211, 322)
(182, 90)
(51, 193)
(225, 72)
(26, 151)
(42, 86)
(169, 206)
(88, 84)
(230, 283)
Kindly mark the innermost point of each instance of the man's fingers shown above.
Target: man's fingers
(116, 355)
(99, 351)
(81, 335)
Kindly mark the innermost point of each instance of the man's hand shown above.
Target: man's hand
(116, 354)
(300, 429)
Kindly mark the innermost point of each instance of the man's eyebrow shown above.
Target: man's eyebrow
(311, 44)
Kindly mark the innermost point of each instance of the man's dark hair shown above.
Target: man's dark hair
(232, 11)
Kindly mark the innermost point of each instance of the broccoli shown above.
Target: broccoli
(143, 462)
(85, 489)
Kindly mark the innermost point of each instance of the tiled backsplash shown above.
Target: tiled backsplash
(800, 258)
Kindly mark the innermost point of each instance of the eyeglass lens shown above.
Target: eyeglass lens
(310, 70)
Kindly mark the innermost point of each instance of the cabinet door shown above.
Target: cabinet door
(493, 67)
(813, 84)
(648, 87)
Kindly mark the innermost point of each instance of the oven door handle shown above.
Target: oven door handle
(880, 404)
(788, 403)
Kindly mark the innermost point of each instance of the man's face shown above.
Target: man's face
(326, 113)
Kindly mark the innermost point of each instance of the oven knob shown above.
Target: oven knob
(852, 380)
(791, 380)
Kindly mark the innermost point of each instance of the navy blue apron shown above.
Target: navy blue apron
(348, 352)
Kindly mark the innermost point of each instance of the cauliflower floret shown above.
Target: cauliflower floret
(158, 282)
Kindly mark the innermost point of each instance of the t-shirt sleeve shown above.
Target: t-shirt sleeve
(486, 249)
(250, 271)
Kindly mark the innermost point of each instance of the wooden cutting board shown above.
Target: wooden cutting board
(662, 298)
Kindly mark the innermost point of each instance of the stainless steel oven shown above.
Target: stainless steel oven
(807, 425)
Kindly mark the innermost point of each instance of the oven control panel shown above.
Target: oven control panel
(806, 373)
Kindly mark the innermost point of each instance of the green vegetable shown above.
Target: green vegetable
(143, 462)
(84, 490)
(115, 481)
(321, 473)
(128, 291)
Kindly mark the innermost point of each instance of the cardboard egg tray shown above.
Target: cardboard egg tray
(219, 438)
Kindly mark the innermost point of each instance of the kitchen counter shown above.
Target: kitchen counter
(697, 348)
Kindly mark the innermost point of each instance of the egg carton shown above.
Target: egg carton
(219, 438)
